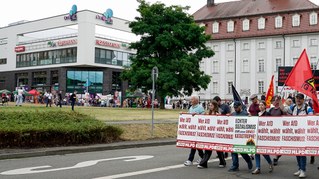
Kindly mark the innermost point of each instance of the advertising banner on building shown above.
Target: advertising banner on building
(287, 135)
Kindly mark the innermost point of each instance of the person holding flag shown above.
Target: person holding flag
(301, 79)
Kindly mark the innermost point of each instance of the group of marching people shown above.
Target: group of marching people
(291, 106)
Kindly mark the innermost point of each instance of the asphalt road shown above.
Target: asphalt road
(157, 162)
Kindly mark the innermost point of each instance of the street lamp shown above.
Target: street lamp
(154, 77)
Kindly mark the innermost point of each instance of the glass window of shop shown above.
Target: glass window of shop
(105, 56)
(39, 78)
(58, 56)
(76, 81)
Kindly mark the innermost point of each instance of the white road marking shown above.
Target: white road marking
(149, 171)
(32, 170)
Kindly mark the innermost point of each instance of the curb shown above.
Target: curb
(25, 153)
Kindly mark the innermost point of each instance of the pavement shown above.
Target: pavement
(36, 152)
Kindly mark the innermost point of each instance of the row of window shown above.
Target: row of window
(313, 20)
(76, 81)
(3, 61)
(112, 57)
(215, 86)
(261, 65)
(59, 56)
(262, 45)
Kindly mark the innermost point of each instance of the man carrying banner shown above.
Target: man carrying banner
(235, 165)
(301, 108)
(196, 108)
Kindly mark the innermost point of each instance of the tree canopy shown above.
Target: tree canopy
(172, 41)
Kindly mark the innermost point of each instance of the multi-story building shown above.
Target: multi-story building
(252, 38)
(65, 52)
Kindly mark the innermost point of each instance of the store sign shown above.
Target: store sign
(107, 43)
(106, 16)
(67, 42)
(19, 49)
(72, 14)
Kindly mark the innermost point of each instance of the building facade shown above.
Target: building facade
(65, 52)
(252, 38)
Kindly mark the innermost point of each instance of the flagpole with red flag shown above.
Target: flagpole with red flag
(301, 79)
(270, 92)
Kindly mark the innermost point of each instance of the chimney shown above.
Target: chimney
(210, 2)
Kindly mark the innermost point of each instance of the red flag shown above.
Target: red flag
(301, 79)
(270, 92)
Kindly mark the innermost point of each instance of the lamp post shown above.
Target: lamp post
(154, 77)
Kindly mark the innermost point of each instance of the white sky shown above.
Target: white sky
(17, 10)
(14, 10)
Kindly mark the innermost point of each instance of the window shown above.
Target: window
(246, 25)
(215, 87)
(230, 26)
(261, 23)
(295, 43)
(261, 87)
(215, 66)
(215, 27)
(313, 63)
(313, 42)
(313, 18)
(245, 46)
(3, 61)
(261, 65)
(76, 79)
(216, 48)
(261, 45)
(278, 63)
(230, 89)
(245, 66)
(296, 20)
(278, 44)
(278, 22)
(230, 66)
(230, 47)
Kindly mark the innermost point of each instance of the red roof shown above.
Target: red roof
(250, 7)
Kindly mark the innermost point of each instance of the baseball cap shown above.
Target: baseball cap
(253, 96)
(300, 96)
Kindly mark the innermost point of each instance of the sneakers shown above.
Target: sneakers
(222, 164)
(201, 167)
(188, 163)
(256, 171)
(300, 173)
(275, 161)
(233, 169)
(297, 173)
(271, 168)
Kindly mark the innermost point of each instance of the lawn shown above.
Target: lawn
(138, 131)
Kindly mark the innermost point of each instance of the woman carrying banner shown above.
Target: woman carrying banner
(263, 112)
(213, 110)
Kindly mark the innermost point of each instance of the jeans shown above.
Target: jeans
(246, 157)
(192, 154)
(72, 105)
(302, 161)
(19, 100)
(257, 157)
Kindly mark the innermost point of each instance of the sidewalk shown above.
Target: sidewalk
(24, 153)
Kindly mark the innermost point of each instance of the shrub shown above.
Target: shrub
(53, 128)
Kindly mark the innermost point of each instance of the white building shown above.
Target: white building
(251, 38)
(65, 51)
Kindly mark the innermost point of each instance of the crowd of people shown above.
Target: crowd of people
(291, 106)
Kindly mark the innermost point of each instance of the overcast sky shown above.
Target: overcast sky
(14, 10)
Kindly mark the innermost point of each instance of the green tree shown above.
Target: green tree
(172, 41)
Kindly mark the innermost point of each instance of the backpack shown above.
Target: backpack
(306, 108)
